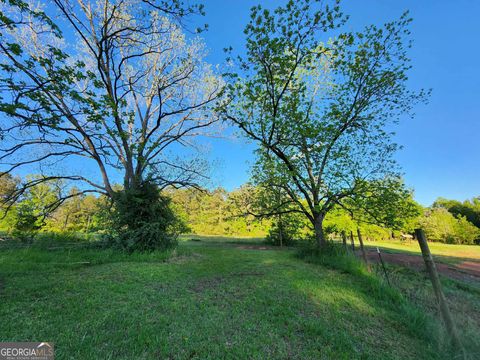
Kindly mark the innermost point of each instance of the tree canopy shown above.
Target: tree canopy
(105, 103)
(317, 102)
(120, 89)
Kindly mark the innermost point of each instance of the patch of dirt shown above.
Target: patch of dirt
(209, 283)
(205, 284)
(260, 247)
(470, 267)
(180, 259)
(466, 270)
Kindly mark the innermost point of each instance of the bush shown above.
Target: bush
(142, 220)
(285, 232)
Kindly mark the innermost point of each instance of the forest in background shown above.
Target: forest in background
(220, 212)
(315, 98)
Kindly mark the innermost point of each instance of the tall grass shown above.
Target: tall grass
(415, 320)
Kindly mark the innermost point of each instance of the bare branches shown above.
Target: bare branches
(124, 89)
(22, 188)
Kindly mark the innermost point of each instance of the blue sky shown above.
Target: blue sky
(441, 154)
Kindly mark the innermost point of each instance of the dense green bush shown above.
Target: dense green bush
(287, 229)
(142, 220)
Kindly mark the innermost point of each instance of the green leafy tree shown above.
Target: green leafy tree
(465, 231)
(35, 206)
(384, 202)
(469, 208)
(8, 185)
(338, 220)
(318, 104)
(77, 213)
(440, 225)
(218, 212)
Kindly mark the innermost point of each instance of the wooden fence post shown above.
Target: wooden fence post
(351, 240)
(362, 249)
(437, 288)
(344, 240)
(383, 266)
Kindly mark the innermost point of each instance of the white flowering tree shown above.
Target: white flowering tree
(114, 86)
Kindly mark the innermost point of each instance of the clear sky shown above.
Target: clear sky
(441, 154)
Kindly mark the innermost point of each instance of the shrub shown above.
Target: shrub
(142, 220)
(286, 231)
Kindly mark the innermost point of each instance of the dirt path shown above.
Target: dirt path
(260, 247)
(465, 270)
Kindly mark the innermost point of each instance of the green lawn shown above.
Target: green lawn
(209, 300)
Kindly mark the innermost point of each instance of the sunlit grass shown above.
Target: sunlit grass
(439, 249)
(204, 301)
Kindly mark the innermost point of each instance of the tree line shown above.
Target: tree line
(223, 213)
(123, 87)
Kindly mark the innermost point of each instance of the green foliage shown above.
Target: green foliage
(465, 231)
(470, 209)
(287, 229)
(33, 208)
(216, 212)
(142, 220)
(80, 213)
(318, 102)
(8, 184)
(386, 202)
(339, 220)
(27, 218)
(441, 225)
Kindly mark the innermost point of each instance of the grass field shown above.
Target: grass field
(445, 252)
(213, 299)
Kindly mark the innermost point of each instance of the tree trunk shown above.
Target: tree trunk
(280, 229)
(89, 219)
(319, 234)
(65, 222)
(344, 240)
(362, 249)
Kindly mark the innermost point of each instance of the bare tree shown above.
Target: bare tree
(114, 86)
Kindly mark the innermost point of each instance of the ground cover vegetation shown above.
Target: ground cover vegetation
(106, 242)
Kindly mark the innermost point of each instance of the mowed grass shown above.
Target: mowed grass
(204, 301)
(220, 239)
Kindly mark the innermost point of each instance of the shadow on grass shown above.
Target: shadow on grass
(413, 317)
(247, 304)
(411, 249)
